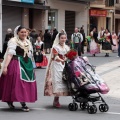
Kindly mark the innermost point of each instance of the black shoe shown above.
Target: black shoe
(11, 106)
(108, 55)
(105, 55)
(25, 109)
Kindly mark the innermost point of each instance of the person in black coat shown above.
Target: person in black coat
(8, 36)
(83, 42)
(55, 32)
(47, 41)
(34, 35)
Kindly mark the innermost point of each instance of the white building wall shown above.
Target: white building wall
(61, 19)
(0, 25)
(82, 18)
(61, 6)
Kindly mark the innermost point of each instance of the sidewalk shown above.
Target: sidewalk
(110, 72)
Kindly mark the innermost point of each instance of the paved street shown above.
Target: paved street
(107, 67)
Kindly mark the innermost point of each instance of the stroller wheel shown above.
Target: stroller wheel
(73, 106)
(84, 106)
(103, 107)
(92, 109)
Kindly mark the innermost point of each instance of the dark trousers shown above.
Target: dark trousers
(82, 47)
(119, 50)
(77, 46)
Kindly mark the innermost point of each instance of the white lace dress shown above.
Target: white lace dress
(54, 83)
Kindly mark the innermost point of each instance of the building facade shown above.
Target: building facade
(66, 15)
(17, 12)
(44, 14)
(105, 13)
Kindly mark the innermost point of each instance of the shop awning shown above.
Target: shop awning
(25, 5)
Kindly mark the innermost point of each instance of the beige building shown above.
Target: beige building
(17, 13)
(67, 14)
(44, 14)
(105, 13)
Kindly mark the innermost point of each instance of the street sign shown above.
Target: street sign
(25, 1)
(28, 1)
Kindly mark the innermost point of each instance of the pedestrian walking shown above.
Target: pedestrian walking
(83, 42)
(55, 32)
(115, 41)
(107, 43)
(100, 33)
(17, 81)
(29, 37)
(118, 45)
(47, 42)
(54, 85)
(40, 57)
(94, 46)
(41, 34)
(34, 36)
(8, 36)
(77, 39)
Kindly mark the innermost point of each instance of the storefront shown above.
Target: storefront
(66, 15)
(23, 12)
(97, 18)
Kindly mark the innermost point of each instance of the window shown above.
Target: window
(110, 3)
(117, 1)
(52, 19)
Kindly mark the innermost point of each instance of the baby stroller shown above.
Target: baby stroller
(85, 86)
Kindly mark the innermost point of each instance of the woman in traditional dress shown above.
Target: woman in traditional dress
(94, 47)
(17, 81)
(54, 85)
(107, 43)
(39, 50)
(115, 41)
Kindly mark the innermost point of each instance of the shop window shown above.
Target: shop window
(110, 3)
(93, 22)
(117, 1)
(52, 19)
(117, 11)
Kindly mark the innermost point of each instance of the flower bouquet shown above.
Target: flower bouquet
(72, 54)
(88, 38)
(102, 39)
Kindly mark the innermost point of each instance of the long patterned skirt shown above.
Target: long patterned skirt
(14, 87)
(94, 47)
(54, 85)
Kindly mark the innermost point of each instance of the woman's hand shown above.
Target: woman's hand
(4, 71)
(63, 61)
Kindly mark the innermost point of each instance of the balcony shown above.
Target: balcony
(98, 4)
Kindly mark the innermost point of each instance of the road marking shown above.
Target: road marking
(113, 113)
(43, 109)
(29, 107)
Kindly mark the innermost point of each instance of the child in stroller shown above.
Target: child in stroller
(82, 81)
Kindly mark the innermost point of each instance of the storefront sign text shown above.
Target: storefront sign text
(102, 13)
